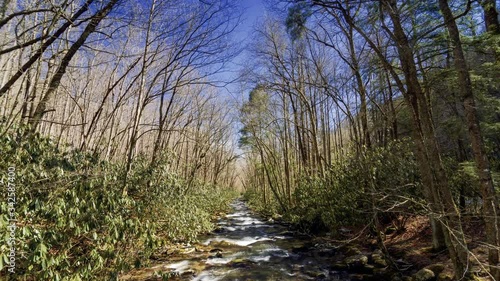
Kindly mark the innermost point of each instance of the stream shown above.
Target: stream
(245, 247)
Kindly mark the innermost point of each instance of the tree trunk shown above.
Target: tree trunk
(140, 99)
(428, 155)
(490, 203)
(490, 16)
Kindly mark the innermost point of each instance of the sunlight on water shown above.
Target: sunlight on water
(277, 252)
(245, 241)
(207, 276)
(248, 221)
(246, 247)
(237, 214)
(260, 258)
(179, 266)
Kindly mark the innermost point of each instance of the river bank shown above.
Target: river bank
(248, 247)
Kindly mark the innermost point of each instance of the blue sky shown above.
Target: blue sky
(253, 14)
(252, 11)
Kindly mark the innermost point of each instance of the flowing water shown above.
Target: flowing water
(245, 247)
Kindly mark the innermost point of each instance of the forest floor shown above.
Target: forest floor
(414, 246)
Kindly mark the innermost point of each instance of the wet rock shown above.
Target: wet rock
(424, 275)
(380, 262)
(227, 246)
(445, 276)
(216, 250)
(188, 250)
(382, 273)
(436, 268)
(217, 255)
(188, 273)
(350, 250)
(377, 258)
(356, 261)
(316, 274)
(339, 266)
(277, 216)
(326, 252)
(218, 230)
(286, 233)
(241, 263)
(261, 245)
(362, 277)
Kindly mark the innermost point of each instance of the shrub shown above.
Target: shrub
(382, 179)
(75, 223)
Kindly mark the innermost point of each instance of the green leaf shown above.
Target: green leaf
(42, 249)
(44, 263)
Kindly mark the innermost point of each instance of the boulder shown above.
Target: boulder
(356, 261)
(380, 262)
(226, 246)
(377, 258)
(424, 275)
(436, 268)
(218, 230)
(445, 276)
(241, 263)
(217, 255)
(351, 251)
